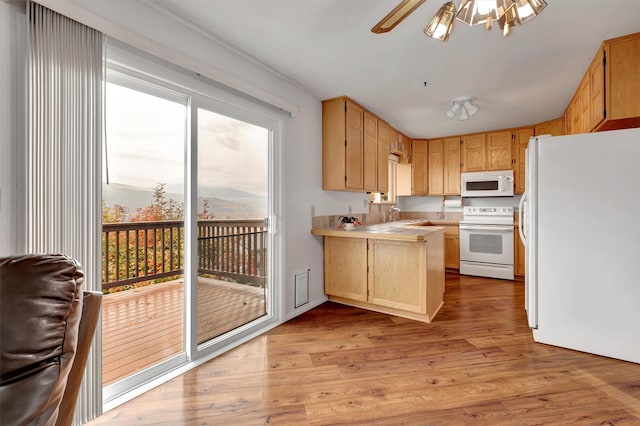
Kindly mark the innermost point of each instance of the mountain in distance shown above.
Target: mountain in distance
(225, 203)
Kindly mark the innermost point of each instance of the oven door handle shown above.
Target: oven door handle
(486, 228)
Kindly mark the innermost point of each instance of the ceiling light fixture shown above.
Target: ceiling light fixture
(442, 23)
(396, 16)
(476, 12)
(467, 109)
(521, 12)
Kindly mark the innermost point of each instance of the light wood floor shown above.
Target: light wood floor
(475, 364)
(144, 326)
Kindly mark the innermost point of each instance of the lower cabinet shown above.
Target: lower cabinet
(452, 247)
(404, 278)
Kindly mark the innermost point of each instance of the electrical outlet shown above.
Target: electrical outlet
(365, 203)
(350, 209)
(313, 211)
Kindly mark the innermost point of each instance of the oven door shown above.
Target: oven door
(486, 244)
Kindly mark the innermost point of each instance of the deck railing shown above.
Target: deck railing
(134, 252)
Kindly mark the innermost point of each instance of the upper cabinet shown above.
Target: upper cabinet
(551, 127)
(384, 133)
(419, 164)
(436, 167)
(520, 140)
(607, 97)
(499, 150)
(355, 148)
(451, 166)
(474, 154)
(444, 166)
(370, 156)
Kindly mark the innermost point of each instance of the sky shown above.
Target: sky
(145, 145)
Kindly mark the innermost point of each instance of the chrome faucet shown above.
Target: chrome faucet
(392, 210)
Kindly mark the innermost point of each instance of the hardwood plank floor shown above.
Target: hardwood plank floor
(475, 364)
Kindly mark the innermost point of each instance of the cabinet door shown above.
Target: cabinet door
(451, 166)
(383, 157)
(452, 251)
(354, 171)
(520, 141)
(419, 167)
(405, 146)
(499, 150)
(345, 267)
(436, 167)
(473, 153)
(623, 69)
(551, 127)
(585, 102)
(596, 89)
(519, 254)
(370, 161)
(402, 282)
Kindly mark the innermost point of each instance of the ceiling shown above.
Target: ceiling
(326, 47)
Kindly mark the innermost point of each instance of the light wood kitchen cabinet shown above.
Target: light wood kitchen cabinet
(444, 166)
(342, 145)
(451, 166)
(398, 277)
(596, 90)
(621, 88)
(383, 156)
(370, 157)
(436, 167)
(585, 105)
(419, 173)
(578, 116)
(355, 148)
(451, 247)
(345, 267)
(552, 127)
(520, 140)
(474, 153)
(607, 96)
(519, 258)
(498, 150)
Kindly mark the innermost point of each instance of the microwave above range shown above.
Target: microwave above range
(487, 184)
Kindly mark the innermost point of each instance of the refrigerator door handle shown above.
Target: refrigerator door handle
(521, 217)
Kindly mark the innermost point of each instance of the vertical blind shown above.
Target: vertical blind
(64, 129)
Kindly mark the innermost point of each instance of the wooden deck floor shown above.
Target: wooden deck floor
(144, 326)
(476, 364)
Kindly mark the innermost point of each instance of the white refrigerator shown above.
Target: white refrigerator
(580, 222)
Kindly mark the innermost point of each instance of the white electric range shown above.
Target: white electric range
(486, 242)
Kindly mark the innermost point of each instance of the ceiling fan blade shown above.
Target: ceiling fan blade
(396, 16)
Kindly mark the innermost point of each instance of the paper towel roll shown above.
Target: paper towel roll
(453, 203)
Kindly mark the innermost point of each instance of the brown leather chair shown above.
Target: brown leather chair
(47, 324)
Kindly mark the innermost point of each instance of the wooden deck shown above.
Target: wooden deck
(144, 326)
(476, 364)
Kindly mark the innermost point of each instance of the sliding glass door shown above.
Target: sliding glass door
(185, 236)
(232, 209)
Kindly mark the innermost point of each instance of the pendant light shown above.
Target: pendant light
(475, 12)
(442, 23)
(521, 12)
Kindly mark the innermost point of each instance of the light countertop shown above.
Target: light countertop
(404, 230)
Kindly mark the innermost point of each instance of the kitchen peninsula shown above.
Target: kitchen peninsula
(396, 268)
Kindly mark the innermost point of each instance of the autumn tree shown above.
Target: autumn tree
(161, 208)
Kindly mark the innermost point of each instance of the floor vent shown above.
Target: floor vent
(302, 288)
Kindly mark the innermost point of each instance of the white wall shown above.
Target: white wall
(12, 71)
(144, 27)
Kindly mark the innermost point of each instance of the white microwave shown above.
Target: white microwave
(487, 184)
